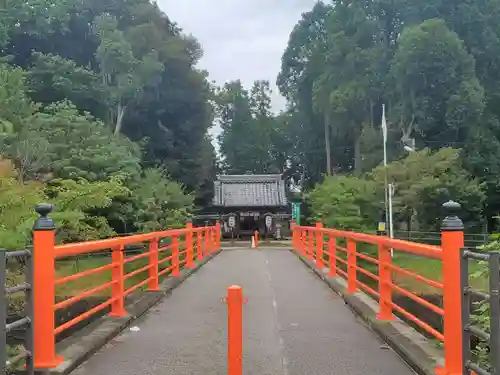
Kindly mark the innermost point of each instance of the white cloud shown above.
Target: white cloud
(241, 39)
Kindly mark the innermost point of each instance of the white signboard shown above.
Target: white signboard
(231, 221)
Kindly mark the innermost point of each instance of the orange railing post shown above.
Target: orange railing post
(256, 238)
(153, 262)
(303, 244)
(298, 239)
(320, 262)
(44, 290)
(214, 239)
(206, 247)
(310, 245)
(452, 240)
(234, 330)
(118, 288)
(175, 256)
(189, 244)
(385, 280)
(351, 266)
(217, 235)
(199, 244)
(332, 257)
(210, 240)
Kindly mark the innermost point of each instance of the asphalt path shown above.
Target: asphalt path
(293, 324)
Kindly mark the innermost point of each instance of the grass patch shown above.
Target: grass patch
(428, 268)
(76, 265)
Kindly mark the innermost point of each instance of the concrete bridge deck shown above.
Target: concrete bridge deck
(293, 325)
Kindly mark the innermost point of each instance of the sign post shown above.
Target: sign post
(296, 212)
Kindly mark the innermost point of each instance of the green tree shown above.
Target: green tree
(79, 146)
(349, 86)
(75, 202)
(17, 202)
(252, 138)
(162, 98)
(302, 63)
(15, 104)
(78, 202)
(436, 94)
(160, 203)
(52, 78)
(123, 75)
(346, 202)
(424, 180)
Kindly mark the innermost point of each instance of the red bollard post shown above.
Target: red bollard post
(234, 330)
(256, 238)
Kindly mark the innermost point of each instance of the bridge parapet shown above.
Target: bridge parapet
(367, 264)
(164, 253)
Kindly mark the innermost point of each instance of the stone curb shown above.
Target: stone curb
(416, 350)
(79, 347)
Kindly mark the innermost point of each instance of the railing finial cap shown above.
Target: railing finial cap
(43, 209)
(451, 206)
(44, 222)
(451, 221)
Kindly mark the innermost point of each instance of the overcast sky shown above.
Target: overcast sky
(241, 39)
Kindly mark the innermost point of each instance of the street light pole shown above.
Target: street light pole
(387, 186)
(391, 228)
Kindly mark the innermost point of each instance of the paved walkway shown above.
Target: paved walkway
(293, 325)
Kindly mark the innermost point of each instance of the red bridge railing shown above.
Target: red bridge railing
(342, 253)
(166, 253)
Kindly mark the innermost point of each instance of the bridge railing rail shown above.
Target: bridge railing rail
(165, 254)
(343, 254)
(9, 360)
(491, 335)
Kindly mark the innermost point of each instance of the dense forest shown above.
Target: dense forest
(103, 113)
(434, 66)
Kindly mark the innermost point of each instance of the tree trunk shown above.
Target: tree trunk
(120, 114)
(327, 145)
(358, 162)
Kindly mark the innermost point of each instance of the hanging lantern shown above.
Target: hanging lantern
(231, 221)
(269, 221)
